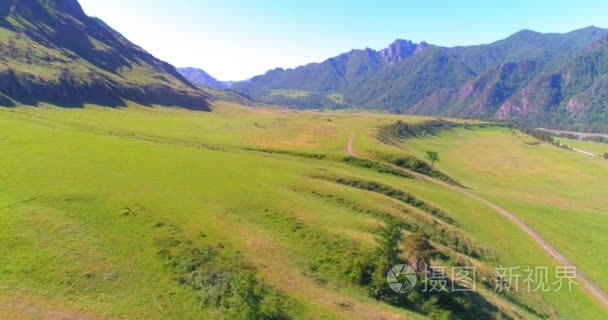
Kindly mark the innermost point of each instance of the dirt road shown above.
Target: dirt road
(587, 153)
(593, 289)
(349, 145)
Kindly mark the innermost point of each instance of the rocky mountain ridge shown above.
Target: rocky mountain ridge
(491, 81)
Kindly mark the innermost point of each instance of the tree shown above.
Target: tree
(433, 157)
(12, 48)
(420, 251)
(389, 238)
(388, 243)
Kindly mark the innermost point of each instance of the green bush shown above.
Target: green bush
(291, 153)
(414, 164)
(421, 129)
(376, 166)
(395, 194)
(222, 281)
(599, 139)
(539, 134)
(450, 238)
(436, 305)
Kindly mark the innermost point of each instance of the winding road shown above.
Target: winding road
(592, 288)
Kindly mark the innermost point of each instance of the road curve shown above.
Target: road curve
(592, 288)
(598, 293)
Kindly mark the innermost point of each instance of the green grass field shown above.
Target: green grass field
(558, 192)
(596, 148)
(90, 197)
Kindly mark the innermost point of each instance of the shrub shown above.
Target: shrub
(222, 281)
(414, 164)
(539, 135)
(421, 129)
(317, 156)
(376, 166)
(395, 194)
(599, 139)
(436, 305)
(432, 156)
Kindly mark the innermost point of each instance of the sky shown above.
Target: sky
(238, 39)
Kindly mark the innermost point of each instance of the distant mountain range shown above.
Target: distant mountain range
(200, 77)
(542, 79)
(51, 51)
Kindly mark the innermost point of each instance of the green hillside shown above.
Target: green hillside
(51, 51)
(572, 93)
(413, 79)
(482, 96)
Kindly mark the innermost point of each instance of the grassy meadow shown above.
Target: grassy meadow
(596, 148)
(101, 210)
(558, 192)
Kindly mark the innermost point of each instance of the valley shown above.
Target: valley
(414, 181)
(117, 180)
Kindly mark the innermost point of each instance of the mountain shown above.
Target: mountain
(467, 81)
(482, 96)
(399, 50)
(337, 74)
(228, 84)
(572, 93)
(398, 86)
(200, 77)
(544, 48)
(51, 51)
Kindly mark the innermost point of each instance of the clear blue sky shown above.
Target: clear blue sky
(237, 39)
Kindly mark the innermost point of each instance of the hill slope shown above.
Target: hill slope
(51, 51)
(260, 213)
(482, 96)
(571, 94)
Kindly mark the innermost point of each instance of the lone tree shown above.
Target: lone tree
(387, 256)
(420, 251)
(433, 157)
(389, 238)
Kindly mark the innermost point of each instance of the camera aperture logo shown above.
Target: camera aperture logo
(402, 278)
